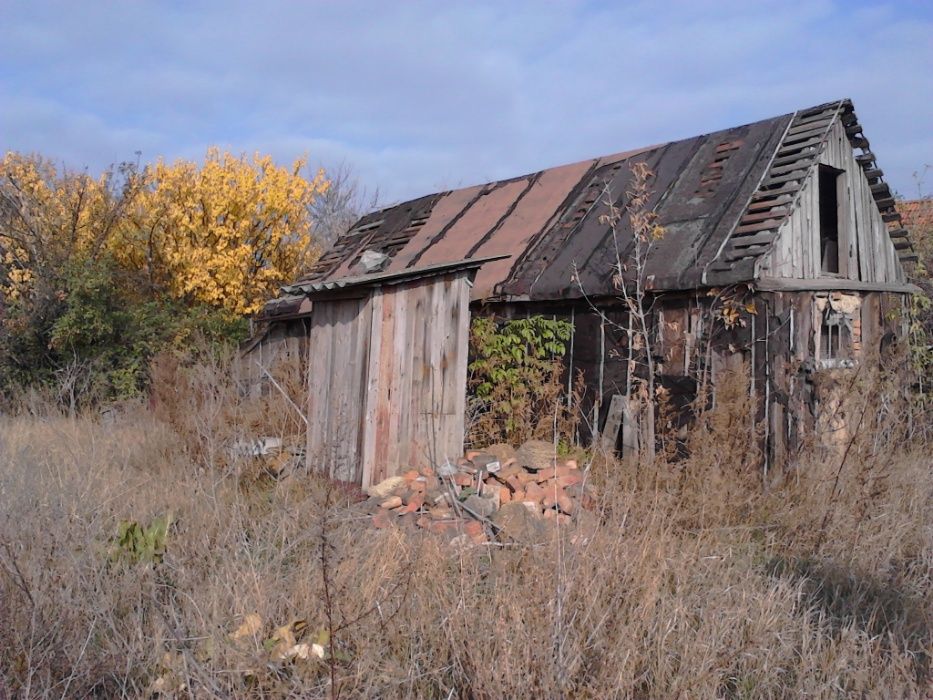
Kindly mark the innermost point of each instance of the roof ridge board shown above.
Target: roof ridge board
(764, 174)
(868, 162)
(728, 251)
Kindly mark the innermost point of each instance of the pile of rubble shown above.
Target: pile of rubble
(498, 492)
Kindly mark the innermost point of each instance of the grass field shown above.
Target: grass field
(695, 583)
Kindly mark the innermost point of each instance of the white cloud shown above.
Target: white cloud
(423, 96)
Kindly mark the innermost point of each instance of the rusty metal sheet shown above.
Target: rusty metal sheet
(480, 218)
(532, 215)
(693, 185)
(581, 235)
(445, 211)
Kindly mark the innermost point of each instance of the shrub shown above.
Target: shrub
(516, 379)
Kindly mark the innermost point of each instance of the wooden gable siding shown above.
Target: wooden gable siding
(866, 252)
(386, 378)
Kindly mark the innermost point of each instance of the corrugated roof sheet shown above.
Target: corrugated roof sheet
(320, 288)
(719, 197)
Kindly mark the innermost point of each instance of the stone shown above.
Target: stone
(414, 503)
(475, 531)
(557, 472)
(565, 503)
(483, 507)
(441, 512)
(391, 502)
(516, 522)
(570, 479)
(511, 471)
(533, 492)
(484, 460)
(501, 452)
(385, 487)
(536, 454)
(444, 527)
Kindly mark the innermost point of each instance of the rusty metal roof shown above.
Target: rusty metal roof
(720, 198)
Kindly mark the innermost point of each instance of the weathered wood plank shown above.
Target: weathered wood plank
(374, 383)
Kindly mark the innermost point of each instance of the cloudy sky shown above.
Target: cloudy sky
(421, 96)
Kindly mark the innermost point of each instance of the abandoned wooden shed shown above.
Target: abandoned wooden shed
(775, 245)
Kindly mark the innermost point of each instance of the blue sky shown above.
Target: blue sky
(418, 97)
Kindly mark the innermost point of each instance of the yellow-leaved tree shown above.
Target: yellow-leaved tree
(226, 234)
(50, 218)
(99, 273)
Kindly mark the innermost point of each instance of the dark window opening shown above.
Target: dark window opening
(829, 218)
(831, 342)
(836, 338)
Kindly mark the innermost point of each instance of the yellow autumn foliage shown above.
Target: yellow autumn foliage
(48, 218)
(226, 233)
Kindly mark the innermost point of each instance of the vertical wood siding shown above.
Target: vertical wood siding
(337, 352)
(866, 252)
(387, 379)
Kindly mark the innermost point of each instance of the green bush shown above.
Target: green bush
(516, 374)
(97, 327)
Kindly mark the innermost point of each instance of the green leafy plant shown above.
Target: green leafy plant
(135, 543)
(515, 377)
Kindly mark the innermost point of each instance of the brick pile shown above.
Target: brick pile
(480, 496)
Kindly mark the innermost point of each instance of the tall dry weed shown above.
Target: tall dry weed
(694, 580)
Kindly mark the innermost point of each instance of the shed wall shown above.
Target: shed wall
(338, 357)
(415, 397)
(387, 378)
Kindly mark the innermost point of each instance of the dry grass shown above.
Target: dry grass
(696, 583)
